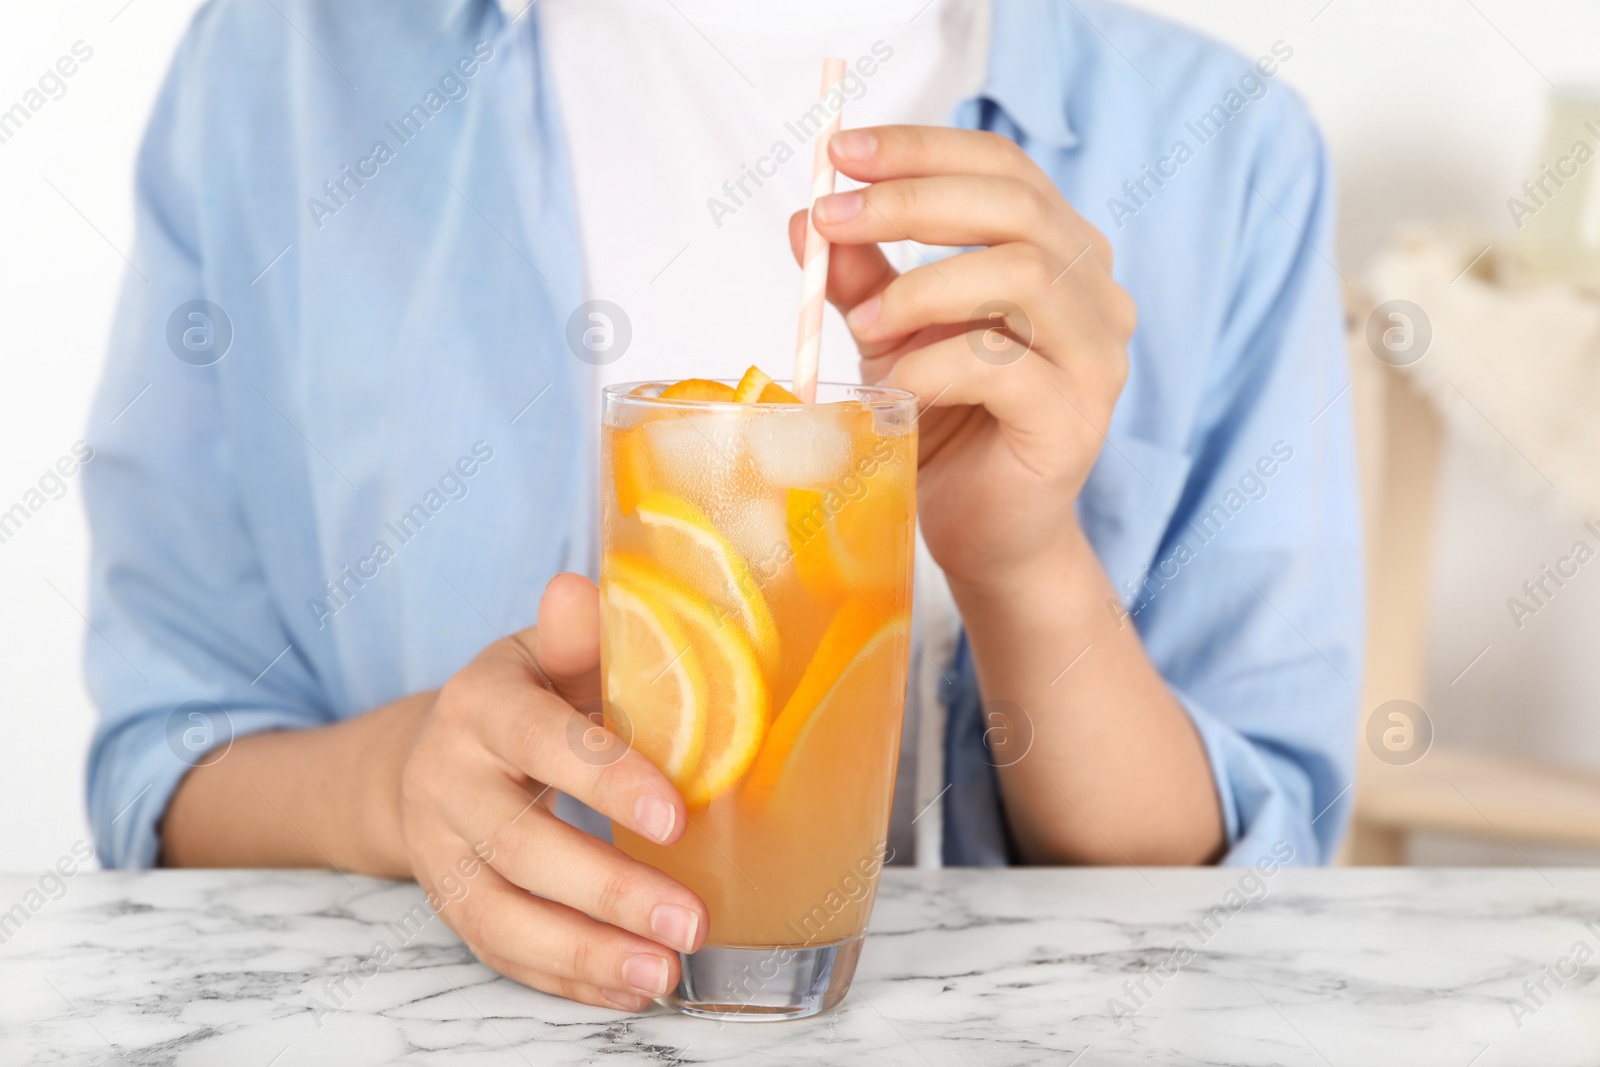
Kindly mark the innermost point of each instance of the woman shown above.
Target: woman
(332, 535)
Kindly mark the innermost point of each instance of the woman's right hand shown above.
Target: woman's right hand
(536, 899)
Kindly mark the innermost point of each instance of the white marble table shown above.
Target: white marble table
(1326, 967)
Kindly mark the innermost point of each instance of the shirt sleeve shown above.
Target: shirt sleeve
(186, 651)
(1252, 607)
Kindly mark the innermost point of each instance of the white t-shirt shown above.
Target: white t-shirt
(689, 152)
(673, 114)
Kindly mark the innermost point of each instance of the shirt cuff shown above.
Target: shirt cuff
(136, 769)
(1265, 798)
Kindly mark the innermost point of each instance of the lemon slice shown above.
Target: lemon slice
(736, 697)
(683, 538)
(655, 690)
(831, 723)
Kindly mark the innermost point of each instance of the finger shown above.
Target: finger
(544, 936)
(877, 357)
(520, 650)
(855, 272)
(534, 849)
(1061, 320)
(568, 637)
(880, 153)
(582, 992)
(543, 737)
(948, 210)
(1027, 395)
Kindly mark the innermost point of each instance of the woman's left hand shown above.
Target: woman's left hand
(1017, 350)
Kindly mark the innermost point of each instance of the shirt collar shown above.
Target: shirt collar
(508, 8)
(1029, 68)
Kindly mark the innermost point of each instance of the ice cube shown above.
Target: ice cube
(697, 449)
(626, 412)
(755, 524)
(807, 448)
(627, 416)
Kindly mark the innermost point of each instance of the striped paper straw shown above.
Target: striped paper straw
(813, 290)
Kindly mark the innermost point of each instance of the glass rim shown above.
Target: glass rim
(882, 397)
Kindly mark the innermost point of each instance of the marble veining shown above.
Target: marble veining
(1462, 968)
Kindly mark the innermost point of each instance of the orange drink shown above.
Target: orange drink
(755, 582)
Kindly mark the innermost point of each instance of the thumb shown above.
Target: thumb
(568, 640)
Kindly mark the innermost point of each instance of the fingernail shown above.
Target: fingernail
(837, 207)
(675, 925)
(854, 144)
(655, 817)
(647, 973)
(625, 1001)
(865, 313)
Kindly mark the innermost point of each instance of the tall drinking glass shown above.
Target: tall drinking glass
(756, 588)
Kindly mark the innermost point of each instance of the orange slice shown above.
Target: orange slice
(811, 539)
(859, 666)
(697, 389)
(630, 467)
(855, 540)
(704, 560)
(757, 388)
(773, 393)
(736, 697)
(750, 386)
(874, 536)
(655, 690)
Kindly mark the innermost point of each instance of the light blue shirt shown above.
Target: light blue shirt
(361, 461)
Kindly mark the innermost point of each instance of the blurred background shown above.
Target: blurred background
(1477, 387)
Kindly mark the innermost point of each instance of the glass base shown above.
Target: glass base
(765, 984)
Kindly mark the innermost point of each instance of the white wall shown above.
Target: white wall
(1433, 110)
(58, 280)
